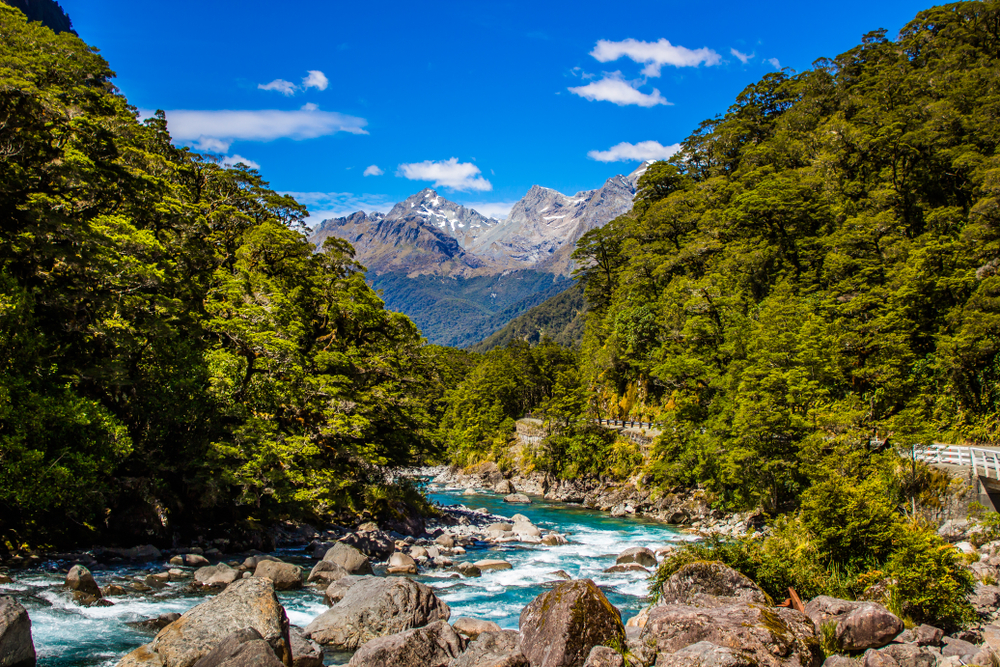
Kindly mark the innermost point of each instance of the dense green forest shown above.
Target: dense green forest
(174, 356)
(560, 318)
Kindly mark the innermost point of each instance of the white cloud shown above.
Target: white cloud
(280, 85)
(215, 131)
(654, 54)
(233, 160)
(451, 173)
(743, 58)
(497, 209)
(315, 79)
(373, 170)
(774, 63)
(325, 205)
(612, 88)
(640, 152)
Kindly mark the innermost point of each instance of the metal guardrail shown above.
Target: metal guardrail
(987, 460)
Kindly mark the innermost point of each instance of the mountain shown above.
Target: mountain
(461, 275)
(560, 318)
(49, 12)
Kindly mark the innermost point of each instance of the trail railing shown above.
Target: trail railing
(985, 460)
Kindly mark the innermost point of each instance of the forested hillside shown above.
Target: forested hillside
(560, 318)
(174, 357)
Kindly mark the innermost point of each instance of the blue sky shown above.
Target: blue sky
(354, 106)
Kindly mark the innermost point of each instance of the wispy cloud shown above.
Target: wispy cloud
(640, 152)
(654, 54)
(313, 79)
(215, 131)
(743, 57)
(233, 160)
(774, 63)
(325, 205)
(373, 170)
(463, 176)
(613, 88)
(495, 209)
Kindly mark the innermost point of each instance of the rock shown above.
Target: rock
(215, 575)
(554, 540)
(286, 577)
(869, 626)
(966, 547)
(961, 648)
(403, 518)
(433, 646)
(349, 558)
(158, 623)
(178, 575)
(991, 636)
(114, 590)
(526, 530)
(910, 655)
(243, 648)
(4, 579)
(765, 636)
(251, 562)
(927, 635)
(639, 620)
(561, 626)
(627, 567)
(418, 552)
(954, 530)
(840, 661)
(873, 658)
(469, 492)
(336, 591)
(602, 656)
(375, 607)
(305, 652)
(561, 574)
(80, 579)
(16, 646)
(517, 498)
(473, 627)
(493, 564)
(499, 527)
(504, 487)
(176, 560)
(326, 572)
(193, 560)
(373, 543)
(493, 649)
(468, 570)
(519, 518)
(245, 604)
(640, 555)
(710, 584)
(985, 656)
(400, 563)
(447, 541)
(985, 599)
(707, 654)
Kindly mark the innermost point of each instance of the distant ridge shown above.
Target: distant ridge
(560, 318)
(48, 12)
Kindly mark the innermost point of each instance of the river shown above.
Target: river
(67, 635)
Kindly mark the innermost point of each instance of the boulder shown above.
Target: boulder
(156, 624)
(640, 555)
(468, 570)
(80, 579)
(603, 656)
(400, 563)
(447, 541)
(520, 518)
(245, 604)
(403, 518)
(375, 544)
(326, 572)
(16, 646)
(985, 599)
(768, 637)
(561, 626)
(473, 627)
(376, 607)
(336, 591)
(193, 560)
(869, 626)
(517, 499)
(435, 645)
(305, 652)
(349, 558)
(243, 648)
(499, 527)
(626, 567)
(959, 647)
(504, 487)
(710, 584)
(5, 579)
(840, 661)
(991, 637)
(493, 564)
(554, 540)
(214, 575)
(910, 655)
(928, 635)
(526, 530)
(286, 577)
(493, 649)
(707, 654)
(873, 658)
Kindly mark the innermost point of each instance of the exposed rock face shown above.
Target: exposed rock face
(246, 604)
(771, 637)
(493, 649)
(80, 579)
(640, 555)
(349, 558)
(243, 648)
(473, 627)
(16, 647)
(374, 608)
(710, 584)
(285, 576)
(561, 626)
(435, 645)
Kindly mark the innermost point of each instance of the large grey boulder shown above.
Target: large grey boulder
(493, 649)
(336, 591)
(216, 575)
(435, 645)
(473, 627)
(246, 604)
(859, 625)
(910, 655)
(243, 648)
(80, 579)
(768, 636)
(375, 544)
(16, 646)
(305, 652)
(561, 626)
(603, 656)
(286, 576)
(874, 658)
(400, 563)
(517, 499)
(710, 584)
(349, 558)
(326, 572)
(640, 555)
(706, 654)
(377, 607)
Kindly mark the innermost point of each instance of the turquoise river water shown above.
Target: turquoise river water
(67, 635)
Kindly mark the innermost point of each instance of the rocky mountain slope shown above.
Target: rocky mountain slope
(49, 12)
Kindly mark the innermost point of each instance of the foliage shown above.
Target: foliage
(560, 318)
